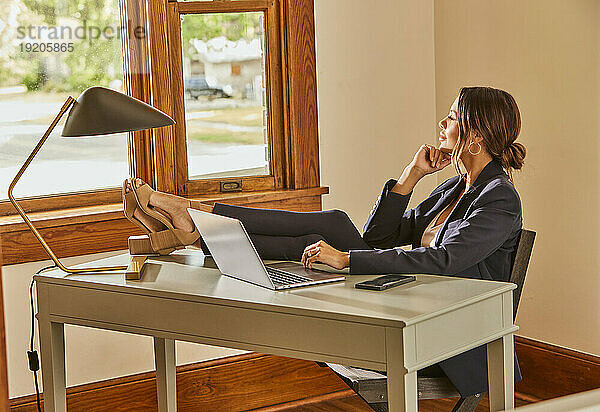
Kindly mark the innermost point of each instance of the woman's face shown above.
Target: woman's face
(449, 125)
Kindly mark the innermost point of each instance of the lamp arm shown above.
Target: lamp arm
(37, 148)
(68, 103)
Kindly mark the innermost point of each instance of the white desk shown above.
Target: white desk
(400, 330)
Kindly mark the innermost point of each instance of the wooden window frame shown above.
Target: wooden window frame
(294, 151)
(274, 97)
(291, 96)
(82, 223)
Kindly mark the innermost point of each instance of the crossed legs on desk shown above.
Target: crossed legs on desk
(281, 234)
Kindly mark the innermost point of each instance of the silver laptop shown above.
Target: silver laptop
(235, 256)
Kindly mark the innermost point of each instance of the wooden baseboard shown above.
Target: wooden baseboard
(270, 383)
(550, 371)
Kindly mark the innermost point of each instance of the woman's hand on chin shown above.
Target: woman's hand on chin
(430, 159)
(323, 253)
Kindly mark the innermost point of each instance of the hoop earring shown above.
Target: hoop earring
(479, 151)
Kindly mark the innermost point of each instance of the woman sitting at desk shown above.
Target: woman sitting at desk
(469, 225)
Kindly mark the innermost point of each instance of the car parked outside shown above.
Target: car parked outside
(195, 87)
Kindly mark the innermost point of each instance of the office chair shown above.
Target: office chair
(372, 386)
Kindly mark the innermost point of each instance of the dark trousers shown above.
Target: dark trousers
(283, 235)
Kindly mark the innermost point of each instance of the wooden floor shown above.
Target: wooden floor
(355, 403)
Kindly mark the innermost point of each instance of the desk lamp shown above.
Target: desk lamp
(97, 111)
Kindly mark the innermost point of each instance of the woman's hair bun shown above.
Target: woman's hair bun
(514, 156)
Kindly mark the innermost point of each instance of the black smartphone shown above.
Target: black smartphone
(384, 282)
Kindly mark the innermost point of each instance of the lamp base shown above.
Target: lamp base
(134, 270)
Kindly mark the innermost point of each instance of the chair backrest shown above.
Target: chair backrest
(520, 263)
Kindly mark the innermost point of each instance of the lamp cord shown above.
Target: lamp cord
(32, 355)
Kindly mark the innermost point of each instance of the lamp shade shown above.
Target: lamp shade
(99, 111)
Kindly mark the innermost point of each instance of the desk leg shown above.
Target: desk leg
(500, 358)
(401, 386)
(52, 350)
(164, 359)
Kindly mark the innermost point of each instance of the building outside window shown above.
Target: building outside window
(225, 105)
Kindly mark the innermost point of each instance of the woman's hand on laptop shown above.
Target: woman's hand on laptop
(323, 253)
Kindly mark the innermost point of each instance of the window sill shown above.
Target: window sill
(94, 229)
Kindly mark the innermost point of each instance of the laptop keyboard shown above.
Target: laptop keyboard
(281, 277)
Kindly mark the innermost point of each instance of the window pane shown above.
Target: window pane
(225, 103)
(50, 50)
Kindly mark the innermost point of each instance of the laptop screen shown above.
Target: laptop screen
(231, 247)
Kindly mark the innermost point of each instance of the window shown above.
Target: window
(225, 113)
(227, 95)
(58, 48)
(220, 68)
(270, 114)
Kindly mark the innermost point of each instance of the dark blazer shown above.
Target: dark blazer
(478, 240)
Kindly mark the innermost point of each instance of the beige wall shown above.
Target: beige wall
(546, 53)
(375, 72)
